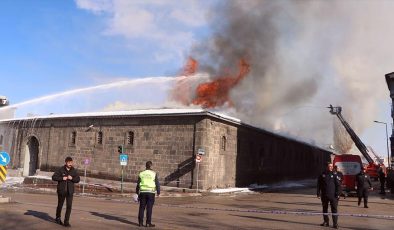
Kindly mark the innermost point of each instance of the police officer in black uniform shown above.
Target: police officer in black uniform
(328, 189)
(66, 176)
(363, 184)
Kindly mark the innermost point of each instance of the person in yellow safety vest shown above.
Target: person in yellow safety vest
(147, 186)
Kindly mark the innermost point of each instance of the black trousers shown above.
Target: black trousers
(334, 209)
(60, 202)
(363, 193)
(147, 200)
(382, 181)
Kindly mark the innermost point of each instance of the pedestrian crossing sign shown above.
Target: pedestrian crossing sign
(123, 159)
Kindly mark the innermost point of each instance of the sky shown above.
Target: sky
(111, 54)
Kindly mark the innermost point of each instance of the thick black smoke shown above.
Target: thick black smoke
(304, 55)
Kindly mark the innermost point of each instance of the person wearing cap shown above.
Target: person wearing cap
(328, 190)
(66, 176)
(147, 186)
(363, 184)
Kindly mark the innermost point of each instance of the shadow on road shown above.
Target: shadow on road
(40, 215)
(116, 218)
(276, 220)
(288, 221)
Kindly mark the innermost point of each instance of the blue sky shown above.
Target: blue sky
(49, 47)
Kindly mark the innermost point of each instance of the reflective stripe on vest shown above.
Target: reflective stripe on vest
(147, 183)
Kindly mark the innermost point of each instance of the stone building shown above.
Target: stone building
(235, 154)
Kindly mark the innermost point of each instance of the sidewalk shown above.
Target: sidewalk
(90, 186)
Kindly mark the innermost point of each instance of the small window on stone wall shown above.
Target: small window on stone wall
(100, 138)
(130, 138)
(223, 143)
(1, 139)
(73, 138)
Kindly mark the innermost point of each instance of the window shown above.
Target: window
(1, 139)
(223, 143)
(130, 138)
(73, 137)
(100, 138)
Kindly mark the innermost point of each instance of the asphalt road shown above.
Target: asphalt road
(32, 210)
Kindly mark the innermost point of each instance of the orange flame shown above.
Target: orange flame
(216, 93)
(182, 90)
(191, 67)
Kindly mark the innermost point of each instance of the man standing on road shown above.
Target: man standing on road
(363, 184)
(66, 176)
(382, 179)
(147, 186)
(328, 188)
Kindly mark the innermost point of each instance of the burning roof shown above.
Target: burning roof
(209, 94)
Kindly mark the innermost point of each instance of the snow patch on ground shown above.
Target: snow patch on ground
(279, 185)
(227, 190)
(12, 181)
(41, 177)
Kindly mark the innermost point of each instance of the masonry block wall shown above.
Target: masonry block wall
(264, 157)
(167, 141)
(235, 154)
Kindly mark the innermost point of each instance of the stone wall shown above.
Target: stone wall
(235, 154)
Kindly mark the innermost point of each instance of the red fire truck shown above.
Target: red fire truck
(351, 164)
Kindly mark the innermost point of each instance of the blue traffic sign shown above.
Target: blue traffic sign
(123, 159)
(4, 158)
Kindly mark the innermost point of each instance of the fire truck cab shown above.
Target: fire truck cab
(350, 165)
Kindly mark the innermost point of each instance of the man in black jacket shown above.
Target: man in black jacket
(65, 176)
(328, 189)
(363, 184)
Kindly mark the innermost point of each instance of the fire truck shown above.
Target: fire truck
(351, 164)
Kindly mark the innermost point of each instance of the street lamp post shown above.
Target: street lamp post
(387, 142)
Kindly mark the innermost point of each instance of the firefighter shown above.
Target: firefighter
(147, 186)
(363, 184)
(328, 188)
(382, 179)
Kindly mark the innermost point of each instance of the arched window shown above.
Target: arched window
(223, 143)
(130, 138)
(100, 138)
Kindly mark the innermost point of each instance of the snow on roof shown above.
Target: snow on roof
(142, 112)
(160, 112)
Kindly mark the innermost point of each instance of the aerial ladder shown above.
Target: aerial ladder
(372, 167)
